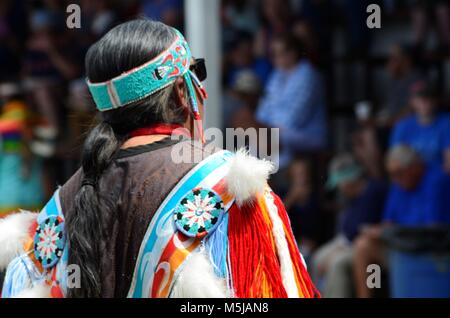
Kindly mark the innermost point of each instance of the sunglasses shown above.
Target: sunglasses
(199, 69)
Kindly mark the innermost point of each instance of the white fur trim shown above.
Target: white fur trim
(13, 234)
(286, 266)
(247, 176)
(41, 290)
(197, 279)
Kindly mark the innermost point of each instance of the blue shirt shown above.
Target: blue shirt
(295, 103)
(428, 204)
(260, 67)
(155, 9)
(430, 141)
(365, 209)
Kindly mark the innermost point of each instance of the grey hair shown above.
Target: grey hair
(404, 155)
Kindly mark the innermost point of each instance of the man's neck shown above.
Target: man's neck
(425, 120)
(142, 140)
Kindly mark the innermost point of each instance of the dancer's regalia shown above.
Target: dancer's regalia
(208, 229)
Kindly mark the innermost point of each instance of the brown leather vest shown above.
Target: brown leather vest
(138, 180)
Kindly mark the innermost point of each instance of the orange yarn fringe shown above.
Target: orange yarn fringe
(254, 264)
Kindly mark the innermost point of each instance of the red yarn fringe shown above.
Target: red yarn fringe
(255, 268)
(306, 285)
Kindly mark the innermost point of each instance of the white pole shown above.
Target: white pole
(202, 21)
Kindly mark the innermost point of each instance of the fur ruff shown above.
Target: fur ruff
(13, 234)
(197, 279)
(247, 176)
(41, 290)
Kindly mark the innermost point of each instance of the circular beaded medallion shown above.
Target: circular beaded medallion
(199, 212)
(49, 241)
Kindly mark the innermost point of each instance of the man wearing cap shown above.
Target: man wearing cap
(363, 200)
(426, 131)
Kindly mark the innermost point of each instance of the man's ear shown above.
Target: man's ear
(180, 93)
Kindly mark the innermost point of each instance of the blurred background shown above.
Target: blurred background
(362, 113)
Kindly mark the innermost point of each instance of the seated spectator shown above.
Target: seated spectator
(241, 57)
(314, 24)
(402, 77)
(427, 130)
(294, 101)
(302, 30)
(241, 100)
(418, 197)
(276, 20)
(240, 103)
(426, 15)
(240, 14)
(367, 150)
(303, 207)
(363, 205)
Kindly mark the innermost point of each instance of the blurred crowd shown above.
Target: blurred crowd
(393, 170)
(46, 108)
(342, 186)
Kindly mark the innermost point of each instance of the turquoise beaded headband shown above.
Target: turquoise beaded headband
(148, 78)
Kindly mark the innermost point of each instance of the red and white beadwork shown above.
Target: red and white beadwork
(49, 241)
(199, 212)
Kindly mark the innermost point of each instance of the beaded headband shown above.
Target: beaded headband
(147, 79)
